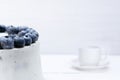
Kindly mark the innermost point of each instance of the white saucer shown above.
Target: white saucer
(76, 65)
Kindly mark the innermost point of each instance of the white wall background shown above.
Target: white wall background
(66, 25)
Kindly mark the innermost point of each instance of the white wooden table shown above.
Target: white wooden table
(58, 67)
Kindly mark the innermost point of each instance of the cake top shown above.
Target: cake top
(17, 37)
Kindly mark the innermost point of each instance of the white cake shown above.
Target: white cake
(19, 54)
(21, 63)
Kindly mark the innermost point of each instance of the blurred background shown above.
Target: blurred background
(66, 25)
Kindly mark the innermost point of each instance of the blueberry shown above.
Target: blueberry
(2, 28)
(0, 45)
(22, 33)
(13, 35)
(8, 29)
(36, 33)
(19, 42)
(32, 31)
(12, 30)
(21, 28)
(28, 30)
(16, 30)
(6, 42)
(33, 37)
(28, 40)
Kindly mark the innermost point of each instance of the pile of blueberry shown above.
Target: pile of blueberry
(18, 37)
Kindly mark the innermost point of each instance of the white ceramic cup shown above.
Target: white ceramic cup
(91, 56)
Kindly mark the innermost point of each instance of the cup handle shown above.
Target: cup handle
(103, 59)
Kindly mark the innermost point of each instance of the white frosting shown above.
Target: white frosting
(21, 63)
(3, 34)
